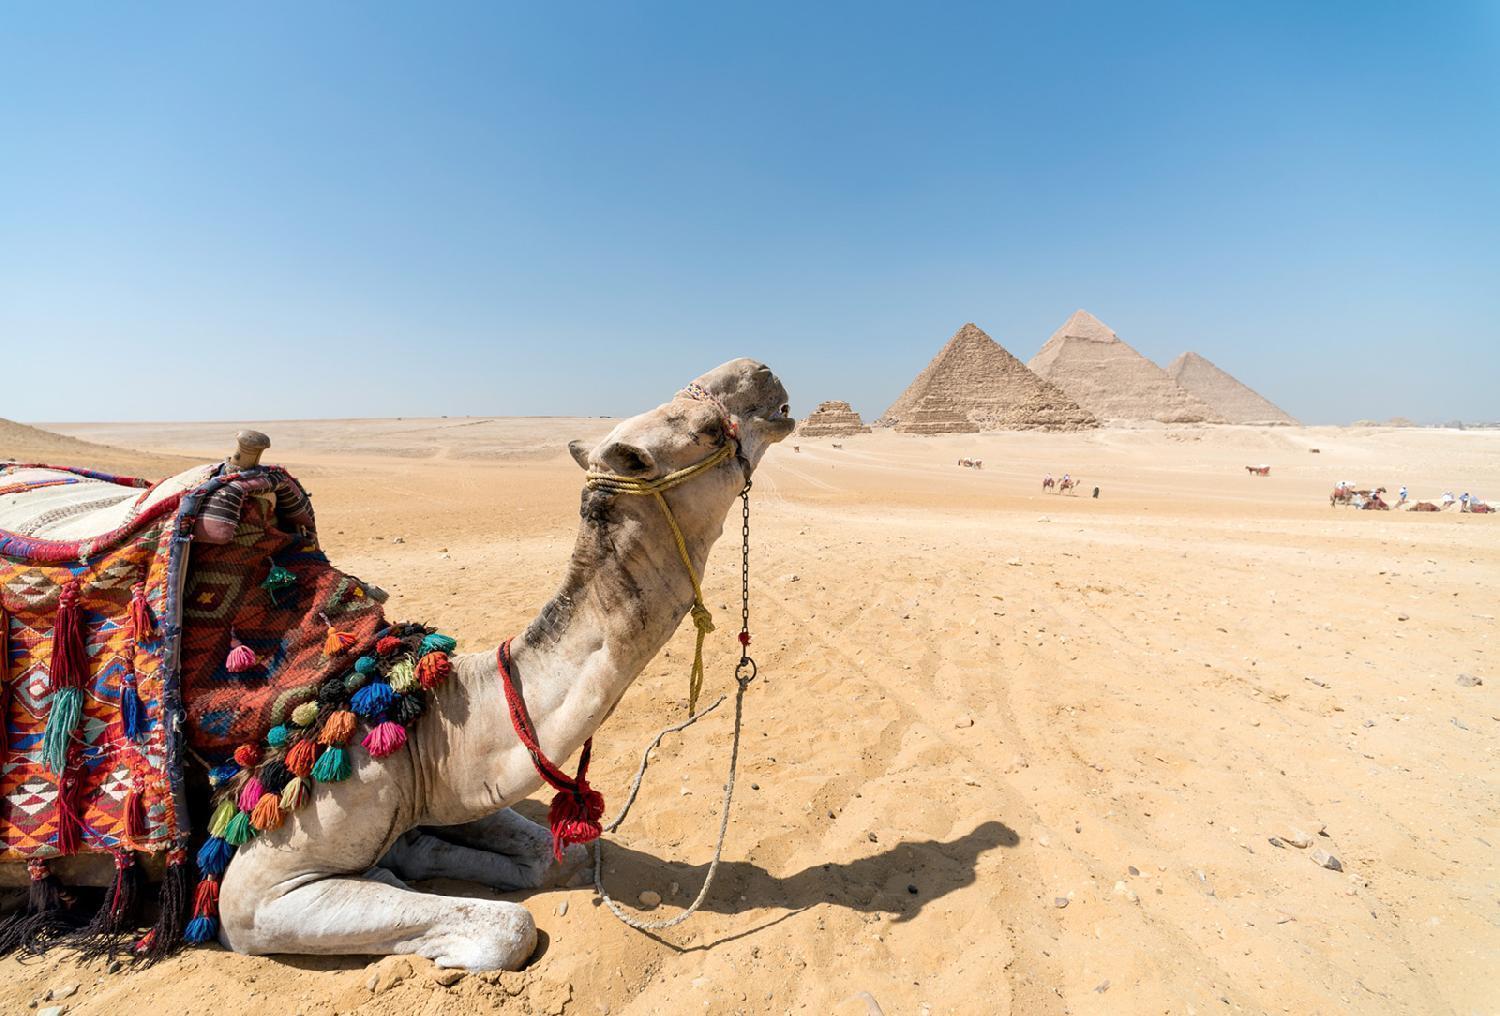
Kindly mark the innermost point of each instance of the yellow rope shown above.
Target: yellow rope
(702, 619)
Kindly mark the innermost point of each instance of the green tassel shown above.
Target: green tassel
(437, 642)
(332, 766)
(277, 580)
(353, 681)
(403, 676)
(305, 714)
(239, 831)
(62, 720)
(276, 736)
(222, 814)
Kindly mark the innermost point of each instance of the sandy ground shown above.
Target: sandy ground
(1012, 752)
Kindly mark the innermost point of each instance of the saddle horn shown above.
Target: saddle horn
(247, 455)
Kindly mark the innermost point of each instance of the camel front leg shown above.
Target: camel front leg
(417, 855)
(343, 915)
(522, 842)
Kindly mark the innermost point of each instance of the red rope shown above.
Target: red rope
(577, 808)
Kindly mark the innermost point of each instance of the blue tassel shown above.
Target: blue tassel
(367, 665)
(437, 642)
(201, 930)
(214, 855)
(277, 735)
(373, 699)
(227, 771)
(132, 713)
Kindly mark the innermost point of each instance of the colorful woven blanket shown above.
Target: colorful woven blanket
(146, 628)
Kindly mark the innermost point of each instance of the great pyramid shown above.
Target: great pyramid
(832, 419)
(1088, 361)
(974, 378)
(1228, 396)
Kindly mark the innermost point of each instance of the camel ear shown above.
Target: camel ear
(627, 459)
(580, 453)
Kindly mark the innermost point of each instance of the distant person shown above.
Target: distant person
(1447, 498)
(1463, 501)
(1096, 492)
(1401, 497)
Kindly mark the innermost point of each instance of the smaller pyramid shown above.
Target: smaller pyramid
(832, 419)
(1086, 359)
(937, 414)
(976, 377)
(1227, 395)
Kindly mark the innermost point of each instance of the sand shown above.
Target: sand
(977, 700)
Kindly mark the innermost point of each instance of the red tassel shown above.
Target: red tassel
(575, 816)
(388, 645)
(206, 899)
(140, 612)
(247, 755)
(69, 822)
(135, 814)
(69, 657)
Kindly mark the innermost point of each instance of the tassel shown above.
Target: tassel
(403, 676)
(388, 645)
(274, 776)
(69, 822)
(213, 856)
(433, 669)
(165, 937)
(221, 774)
(222, 814)
(43, 918)
(250, 794)
(338, 728)
(299, 760)
(276, 736)
(373, 699)
(132, 712)
(332, 766)
(240, 659)
(407, 710)
(277, 579)
(116, 913)
(437, 642)
(354, 681)
(247, 755)
(63, 718)
(574, 817)
(306, 714)
(331, 692)
(267, 813)
(239, 831)
(140, 613)
(204, 927)
(70, 661)
(367, 665)
(135, 813)
(337, 641)
(294, 794)
(384, 739)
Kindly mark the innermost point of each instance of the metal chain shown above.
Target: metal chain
(744, 673)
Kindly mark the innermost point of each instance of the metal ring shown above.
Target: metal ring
(739, 670)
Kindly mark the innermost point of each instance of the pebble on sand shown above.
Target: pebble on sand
(1059, 902)
(1469, 681)
(650, 899)
(964, 721)
(1327, 860)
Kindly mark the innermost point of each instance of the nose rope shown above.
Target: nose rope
(702, 620)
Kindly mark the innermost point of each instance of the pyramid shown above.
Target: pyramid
(1229, 397)
(936, 414)
(832, 419)
(1111, 380)
(976, 378)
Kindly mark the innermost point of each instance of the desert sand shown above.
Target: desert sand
(1011, 752)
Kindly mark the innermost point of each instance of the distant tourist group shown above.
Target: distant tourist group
(1345, 493)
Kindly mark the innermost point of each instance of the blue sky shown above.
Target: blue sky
(277, 210)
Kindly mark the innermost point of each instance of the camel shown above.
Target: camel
(1066, 484)
(1258, 470)
(333, 881)
(1048, 482)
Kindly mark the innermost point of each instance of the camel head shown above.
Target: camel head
(687, 430)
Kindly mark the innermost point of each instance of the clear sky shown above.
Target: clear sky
(251, 211)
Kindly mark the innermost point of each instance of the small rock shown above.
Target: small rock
(1403, 617)
(874, 838)
(398, 539)
(114, 967)
(1103, 987)
(1060, 902)
(1469, 681)
(1318, 681)
(52, 1010)
(963, 721)
(1133, 870)
(447, 976)
(912, 889)
(650, 899)
(1369, 723)
(1460, 724)
(1014, 562)
(755, 786)
(791, 578)
(1298, 839)
(1275, 841)
(562, 909)
(1326, 860)
(58, 994)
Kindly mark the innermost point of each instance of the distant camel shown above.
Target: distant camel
(1067, 484)
(1258, 470)
(1048, 483)
(972, 463)
(1345, 495)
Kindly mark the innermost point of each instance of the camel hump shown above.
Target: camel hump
(249, 445)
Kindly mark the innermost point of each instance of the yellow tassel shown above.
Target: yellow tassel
(403, 676)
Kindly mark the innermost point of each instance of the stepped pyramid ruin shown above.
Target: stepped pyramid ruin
(974, 380)
(1226, 395)
(1111, 380)
(832, 419)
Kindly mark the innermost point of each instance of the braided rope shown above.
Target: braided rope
(708, 880)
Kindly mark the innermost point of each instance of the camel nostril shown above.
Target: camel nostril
(786, 409)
